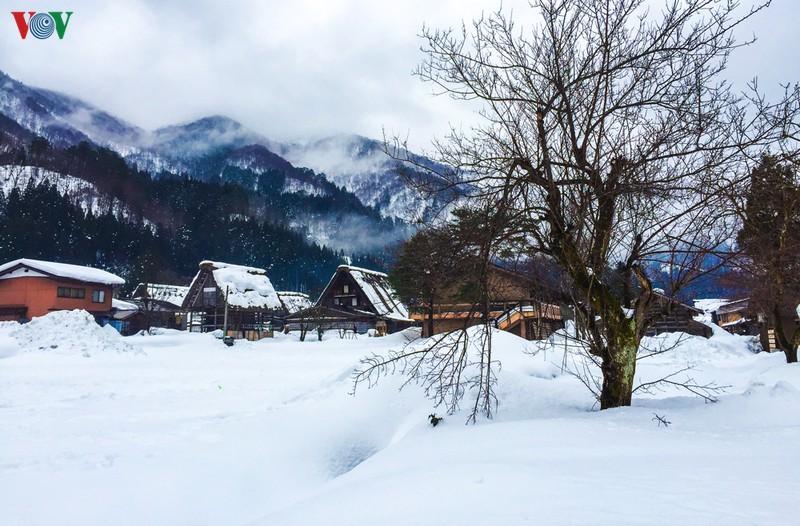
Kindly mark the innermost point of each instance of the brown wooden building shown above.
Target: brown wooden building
(742, 317)
(31, 288)
(355, 299)
(293, 302)
(670, 315)
(515, 306)
(253, 306)
(161, 304)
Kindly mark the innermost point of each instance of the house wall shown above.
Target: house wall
(670, 316)
(197, 288)
(39, 295)
(336, 291)
(504, 286)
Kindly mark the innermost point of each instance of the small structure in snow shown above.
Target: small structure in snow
(126, 317)
(742, 317)
(294, 301)
(667, 314)
(162, 304)
(31, 288)
(355, 299)
(251, 300)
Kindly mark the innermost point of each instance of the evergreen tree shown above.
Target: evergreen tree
(770, 240)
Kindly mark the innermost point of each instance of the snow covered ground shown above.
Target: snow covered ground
(177, 429)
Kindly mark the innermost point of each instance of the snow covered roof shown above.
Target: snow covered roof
(378, 290)
(172, 294)
(733, 306)
(710, 304)
(64, 270)
(294, 301)
(123, 305)
(248, 287)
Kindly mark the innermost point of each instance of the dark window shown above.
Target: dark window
(210, 296)
(98, 296)
(71, 292)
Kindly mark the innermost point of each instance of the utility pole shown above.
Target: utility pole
(225, 315)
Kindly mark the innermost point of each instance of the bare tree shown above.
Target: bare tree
(450, 364)
(609, 133)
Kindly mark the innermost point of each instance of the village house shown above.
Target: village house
(742, 317)
(293, 302)
(514, 306)
(161, 305)
(126, 317)
(239, 297)
(670, 315)
(737, 317)
(30, 288)
(355, 299)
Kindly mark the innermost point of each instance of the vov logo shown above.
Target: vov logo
(41, 25)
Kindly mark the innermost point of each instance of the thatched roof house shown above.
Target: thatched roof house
(356, 298)
(253, 304)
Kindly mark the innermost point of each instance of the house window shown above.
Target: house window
(355, 301)
(335, 301)
(98, 296)
(209, 296)
(71, 292)
(346, 289)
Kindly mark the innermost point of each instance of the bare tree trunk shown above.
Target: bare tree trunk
(787, 344)
(430, 316)
(619, 368)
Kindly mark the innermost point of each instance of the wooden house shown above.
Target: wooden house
(516, 306)
(737, 317)
(161, 305)
(667, 314)
(742, 317)
(530, 319)
(127, 317)
(252, 303)
(293, 302)
(31, 288)
(355, 299)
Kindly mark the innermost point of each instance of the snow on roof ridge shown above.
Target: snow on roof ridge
(361, 269)
(221, 264)
(67, 270)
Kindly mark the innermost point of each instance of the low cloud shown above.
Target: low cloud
(287, 70)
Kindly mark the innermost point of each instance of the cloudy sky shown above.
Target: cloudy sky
(287, 69)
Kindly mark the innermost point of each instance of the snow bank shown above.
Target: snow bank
(678, 347)
(200, 433)
(69, 332)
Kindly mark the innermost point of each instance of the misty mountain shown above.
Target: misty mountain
(64, 120)
(362, 166)
(214, 149)
(206, 148)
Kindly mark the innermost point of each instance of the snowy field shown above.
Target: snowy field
(177, 429)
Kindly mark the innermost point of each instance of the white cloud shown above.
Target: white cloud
(285, 69)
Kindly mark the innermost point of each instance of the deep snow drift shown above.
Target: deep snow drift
(182, 430)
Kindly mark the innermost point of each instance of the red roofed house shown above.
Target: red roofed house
(31, 288)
